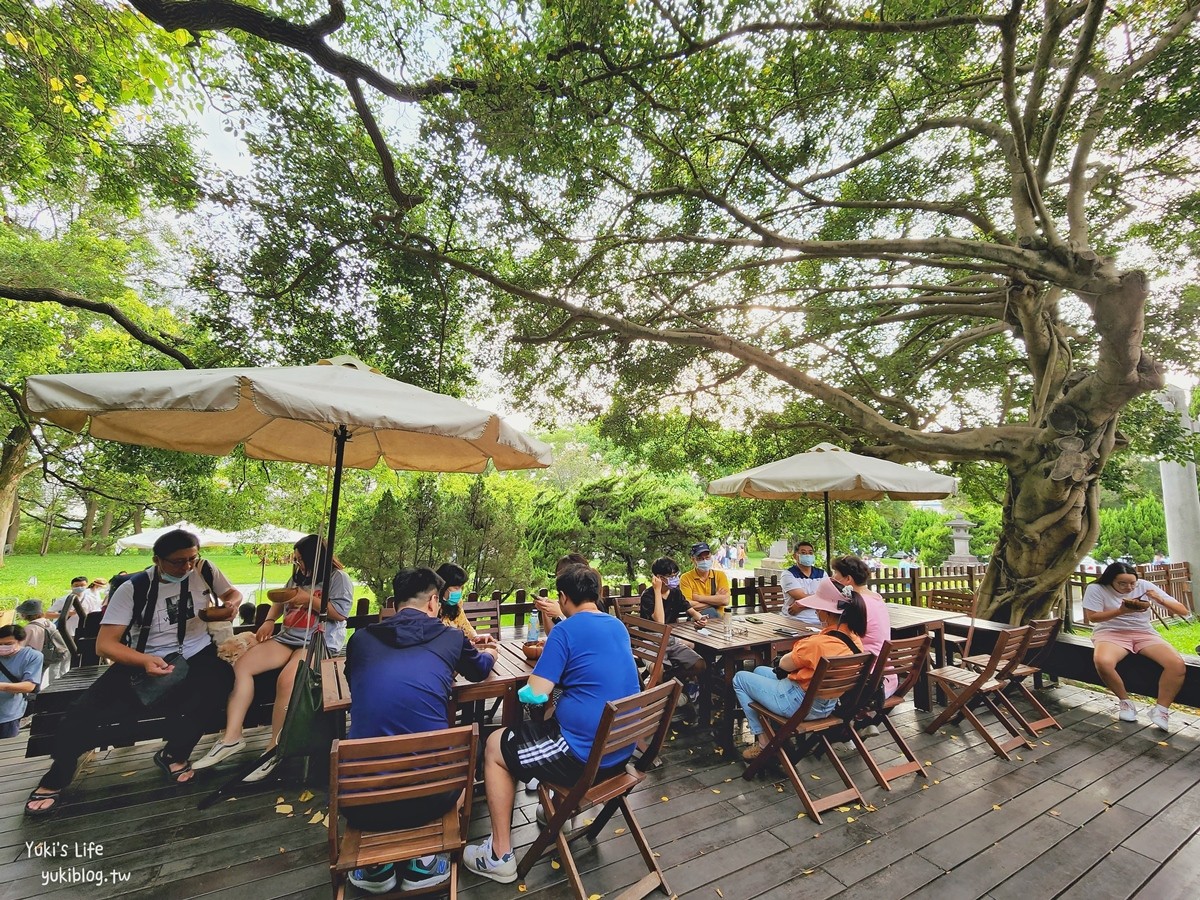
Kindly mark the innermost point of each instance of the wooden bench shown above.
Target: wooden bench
(1071, 657)
(52, 703)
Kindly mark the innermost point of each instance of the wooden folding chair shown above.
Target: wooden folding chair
(624, 607)
(964, 687)
(839, 677)
(770, 597)
(1042, 633)
(649, 643)
(484, 616)
(906, 660)
(369, 771)
(645, 716)
(962, 602)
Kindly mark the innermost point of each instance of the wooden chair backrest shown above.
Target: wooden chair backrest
(368, 771)
(770, 597)
(645, 716)
(484, 616)
(649, 643)
(903, 658)
(1042, 633)
(838, 675)
(1006, 655)
(624, 607)
(962, 602)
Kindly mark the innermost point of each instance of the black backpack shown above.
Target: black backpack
(141, 593)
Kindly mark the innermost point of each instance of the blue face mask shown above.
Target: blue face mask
(173, 579)
(453, 597)
(806, 559)
(703, 565)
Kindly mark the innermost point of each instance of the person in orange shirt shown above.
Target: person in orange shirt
(781, 690)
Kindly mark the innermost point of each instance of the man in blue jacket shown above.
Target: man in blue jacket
(401, 672)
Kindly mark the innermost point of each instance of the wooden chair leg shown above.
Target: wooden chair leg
(338, 880)
(1047, 720)
(954, 704)
(883, 777)
(652, 880)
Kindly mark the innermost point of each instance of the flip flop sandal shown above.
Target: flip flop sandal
(160, 760)
(34, 796)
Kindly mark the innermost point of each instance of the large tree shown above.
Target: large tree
(938, 220)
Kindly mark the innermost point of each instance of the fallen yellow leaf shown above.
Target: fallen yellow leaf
(305, 797)
(127, 774)
(619, 831)
(521, 887)
(727, 780)
(715, 791)
(595, 896)
(924, 787)
(849, 818)
(1054, 812)
(814, 777)
(280, 800)
(719, 894)
(802, 815)
(555, 864)
(843, 809)
(1047, 743)
(664, 798)
(808, 871)
(995, 806)
(283, 808)
(936, 781)
(1163, 744)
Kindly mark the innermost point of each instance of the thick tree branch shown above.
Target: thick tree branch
(1066, 94)
(74, 301)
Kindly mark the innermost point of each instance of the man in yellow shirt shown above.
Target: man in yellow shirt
(705, 586)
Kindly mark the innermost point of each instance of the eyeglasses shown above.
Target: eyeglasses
(186, 563)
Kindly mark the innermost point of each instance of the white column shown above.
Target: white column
(1181, 502)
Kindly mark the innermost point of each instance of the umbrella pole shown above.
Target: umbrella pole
(340, 436)
(828, 533)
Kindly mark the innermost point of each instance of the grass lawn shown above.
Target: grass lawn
(54, 571)
(1183, 638)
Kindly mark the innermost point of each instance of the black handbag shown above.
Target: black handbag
(151, 690)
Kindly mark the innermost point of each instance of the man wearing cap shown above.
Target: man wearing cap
(41, 635)
(799, 581)
(705, 587)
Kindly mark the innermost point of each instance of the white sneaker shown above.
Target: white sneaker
(263, 771)
(869, 731)
(478, 859)
(531, 786)
(1127, 712)
(1159, 717)
(218, 753)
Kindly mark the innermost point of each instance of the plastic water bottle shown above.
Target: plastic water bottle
(531, 633)
(728, 624)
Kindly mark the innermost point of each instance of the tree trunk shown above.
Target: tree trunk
(13, 467)
(106, 525)
(14, 527)
(89, 523)
(139, 513)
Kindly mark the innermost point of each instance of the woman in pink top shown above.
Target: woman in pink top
(852, 572)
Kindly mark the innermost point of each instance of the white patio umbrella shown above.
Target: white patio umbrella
(209, 537)
(830, 473)
(339, 411)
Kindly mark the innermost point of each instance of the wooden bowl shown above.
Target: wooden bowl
(533, 650)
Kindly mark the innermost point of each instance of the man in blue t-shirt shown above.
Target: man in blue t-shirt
(588, 657)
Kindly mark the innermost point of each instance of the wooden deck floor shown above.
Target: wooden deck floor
(1100, 810)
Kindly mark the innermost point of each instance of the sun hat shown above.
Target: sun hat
(828, 596)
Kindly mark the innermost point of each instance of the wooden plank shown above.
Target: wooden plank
(1117, 876)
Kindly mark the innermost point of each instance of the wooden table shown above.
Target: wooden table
(723, 657)
(507, 677)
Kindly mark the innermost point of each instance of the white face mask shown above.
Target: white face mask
(174, 579)
(9, 649)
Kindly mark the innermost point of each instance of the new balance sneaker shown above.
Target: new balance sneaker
(218, 753)
(375, 879)
(1127, 712)
(1159, 718)
(419, 875)
(478, 858)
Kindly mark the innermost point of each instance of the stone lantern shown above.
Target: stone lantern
(960, 533)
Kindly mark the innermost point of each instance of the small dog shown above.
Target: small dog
(233, 649)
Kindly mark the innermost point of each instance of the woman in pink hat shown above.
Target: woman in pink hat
(781, 690)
